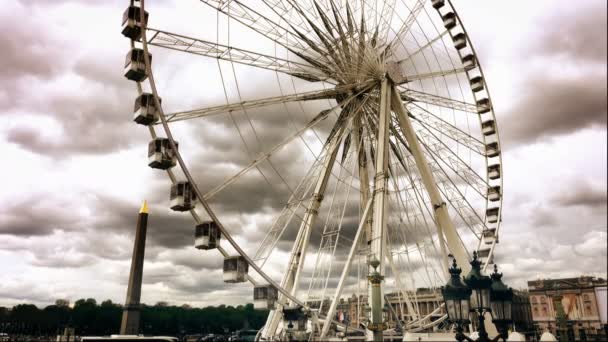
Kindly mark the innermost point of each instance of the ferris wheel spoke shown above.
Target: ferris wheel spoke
(256, 21)
(269, 101)
(432, 123)
(177, 42)
(423, 47)
(283, 9)
(407, 24)
(434, 74)
(454, 161)
(385, 24)
(320, 117)
(410, 95)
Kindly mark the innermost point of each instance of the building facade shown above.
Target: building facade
(426, 302)
(570, 303)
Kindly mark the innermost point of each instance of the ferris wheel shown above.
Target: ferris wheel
(364, 133)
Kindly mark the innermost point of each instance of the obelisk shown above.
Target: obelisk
(131, 311)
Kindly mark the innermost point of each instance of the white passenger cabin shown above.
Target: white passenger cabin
(492, 215)
(135, 66)
(488, 127)
(161, 154)
(494, 193)
(235, 269)
(144, 109)
(437, 4)
(489, 235)
(483, 106)
(131, 22)
(264, 297)
(449, 20)
(492, 150)
(477, 83)
(469, 62)
(207, 235)
(460, 41)
(494, 171)
(182, 197)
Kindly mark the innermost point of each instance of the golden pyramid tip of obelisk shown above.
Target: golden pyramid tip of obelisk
(144, 208)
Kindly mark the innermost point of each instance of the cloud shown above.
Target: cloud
(38, 214)
(585, 195)
(563, 89)
(552, 106)
(576, 35)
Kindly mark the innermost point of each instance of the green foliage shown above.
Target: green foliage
(89, 318)
(560, 315)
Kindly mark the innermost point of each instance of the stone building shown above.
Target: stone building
(579, 303)
(352, 309)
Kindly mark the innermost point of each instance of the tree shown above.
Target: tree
(89, 318)
(62, 302)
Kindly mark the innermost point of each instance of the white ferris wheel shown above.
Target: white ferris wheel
(367, 129)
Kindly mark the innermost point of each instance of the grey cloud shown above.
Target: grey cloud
(37, 215)
(584, 195)
(554, 106)
(26, 51)
(93, 121)
(579, 34)
(554, 101)
(63, 259)
(14, 290)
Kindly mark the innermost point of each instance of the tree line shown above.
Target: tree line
(89, 318)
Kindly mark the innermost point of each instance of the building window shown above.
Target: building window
(543, 300)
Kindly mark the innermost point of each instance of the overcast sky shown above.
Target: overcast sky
(75, 169)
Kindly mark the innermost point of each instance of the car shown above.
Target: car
(129, 338)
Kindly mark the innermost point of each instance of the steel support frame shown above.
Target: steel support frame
(445, 227)
(298, 253)
(363, 174)
(379, 214)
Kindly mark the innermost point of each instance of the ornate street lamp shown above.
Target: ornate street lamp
(501, 300)
(457, 296)
(478, 294)
(480, 299)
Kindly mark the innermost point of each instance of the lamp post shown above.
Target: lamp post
(457, 301)
(478, 294)
(480, 299)
(501, 300)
